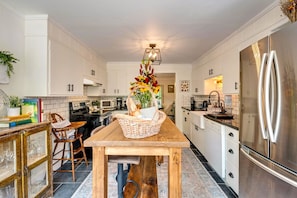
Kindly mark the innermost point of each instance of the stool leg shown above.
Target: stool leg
(72, 161)
(120, 178)
(83, 151)
(63, 153)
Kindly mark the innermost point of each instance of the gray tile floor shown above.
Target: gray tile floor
(64, 187)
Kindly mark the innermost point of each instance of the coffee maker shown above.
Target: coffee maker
(192, 104)
(119, 103)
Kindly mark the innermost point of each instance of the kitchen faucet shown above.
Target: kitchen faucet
(223, 107)
(219, 100)
(220, 105)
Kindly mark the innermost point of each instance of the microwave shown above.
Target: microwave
(107, 104)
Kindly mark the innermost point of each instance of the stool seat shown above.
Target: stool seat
(124, 159)
(122, 174)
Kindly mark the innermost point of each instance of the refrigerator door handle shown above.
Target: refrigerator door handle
(269, 170)
(260, 104)
(273, 134)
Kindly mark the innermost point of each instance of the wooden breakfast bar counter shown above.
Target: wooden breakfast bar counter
(111, 141)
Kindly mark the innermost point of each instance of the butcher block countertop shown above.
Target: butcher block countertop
(112, 135)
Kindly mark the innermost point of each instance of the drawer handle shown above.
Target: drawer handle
(230, 151)
(231, 134)
(231, 175)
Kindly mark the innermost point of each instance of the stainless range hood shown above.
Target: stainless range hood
(88, 82)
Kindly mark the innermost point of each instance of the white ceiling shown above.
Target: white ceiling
(120, 30)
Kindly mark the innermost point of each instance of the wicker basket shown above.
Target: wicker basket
(135, 127)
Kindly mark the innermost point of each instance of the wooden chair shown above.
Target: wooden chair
(122, 174)
(66, 133)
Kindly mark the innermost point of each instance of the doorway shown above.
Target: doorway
(167, 93)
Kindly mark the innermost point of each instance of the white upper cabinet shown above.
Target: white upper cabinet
(91, 70)
(94, 69)
(65, 73)
(198, 81)
(53, 68)
(212, 69)
(117, 82)
(119, 77)
(101, 89)
(230, 72)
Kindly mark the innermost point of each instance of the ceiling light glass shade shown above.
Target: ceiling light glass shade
(153, 54)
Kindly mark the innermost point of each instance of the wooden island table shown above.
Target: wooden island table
(111, 141)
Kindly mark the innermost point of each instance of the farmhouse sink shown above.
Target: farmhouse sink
(220, 115)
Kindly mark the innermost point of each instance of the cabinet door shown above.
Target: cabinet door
(214, 146)
(112, 85)
(186, 123)
(66, 69)
(198, 138)
(117, 82)
(90, 70)
(198, 81)
(10, 166)
(37, 161)
(214, 69)
(231, 73)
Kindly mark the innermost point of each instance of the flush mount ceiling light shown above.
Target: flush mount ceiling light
(153, 54)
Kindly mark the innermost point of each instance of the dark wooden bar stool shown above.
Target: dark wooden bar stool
(65, 132)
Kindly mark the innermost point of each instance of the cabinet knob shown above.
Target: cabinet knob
(231, 151)
(231, 175)
(231, 134)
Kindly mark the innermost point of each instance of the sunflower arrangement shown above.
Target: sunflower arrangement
(145, 82)
(288, 7)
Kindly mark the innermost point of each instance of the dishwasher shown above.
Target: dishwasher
(215, 146)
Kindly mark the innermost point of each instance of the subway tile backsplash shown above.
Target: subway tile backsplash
(60, 104)
(231, 101)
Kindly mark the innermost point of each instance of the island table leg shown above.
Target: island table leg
(100, 172)
(174, 173)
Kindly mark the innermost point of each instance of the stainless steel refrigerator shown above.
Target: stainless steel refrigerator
(268, 128)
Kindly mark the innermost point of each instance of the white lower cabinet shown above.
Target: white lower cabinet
(198, 138)
(186, 123)
(232, 157)
(215, 146)
(197, 130)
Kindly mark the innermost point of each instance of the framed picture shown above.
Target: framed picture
(170, 88)
(184, 85)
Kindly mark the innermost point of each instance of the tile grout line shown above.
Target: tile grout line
(207, 167)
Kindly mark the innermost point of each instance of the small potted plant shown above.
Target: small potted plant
(14, 106)
(6, 65)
